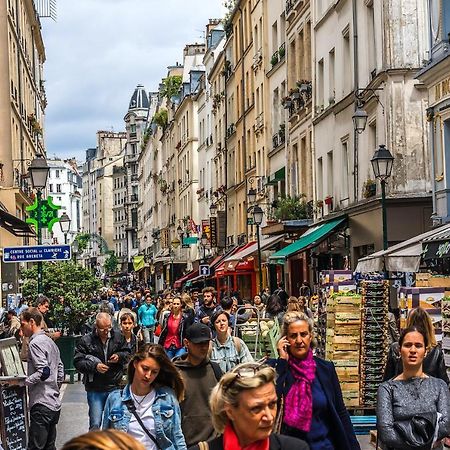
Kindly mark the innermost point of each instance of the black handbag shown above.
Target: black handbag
(418, 432)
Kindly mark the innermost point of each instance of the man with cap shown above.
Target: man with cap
(200, 375)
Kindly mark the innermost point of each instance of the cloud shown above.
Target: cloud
(99, 50)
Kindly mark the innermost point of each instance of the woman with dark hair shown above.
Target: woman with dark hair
(173, 329)
(148, 407)
(127, 324)
(433, 363)
(413, 408)
(314, 409)
(275, 308)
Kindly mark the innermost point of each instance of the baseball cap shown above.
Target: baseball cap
(198, 332)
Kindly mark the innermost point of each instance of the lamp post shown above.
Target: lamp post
(39, 173)
(64, 223)
(75, 250)
(258, 214)
(382, 162)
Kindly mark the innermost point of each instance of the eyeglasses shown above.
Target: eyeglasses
(104, 329)
(248, 371)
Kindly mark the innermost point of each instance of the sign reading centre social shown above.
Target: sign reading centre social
(36, 253)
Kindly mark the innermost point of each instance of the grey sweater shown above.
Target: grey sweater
(45, 372)
(402, 399)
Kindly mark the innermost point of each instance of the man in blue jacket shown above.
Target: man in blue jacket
(147, 319)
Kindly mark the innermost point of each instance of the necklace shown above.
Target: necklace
(142, 400)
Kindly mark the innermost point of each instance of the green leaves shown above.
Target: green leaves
(111, 263)
(69, 280)
(291, 208)
(171, 86)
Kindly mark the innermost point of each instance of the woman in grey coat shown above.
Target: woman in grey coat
(412, 396)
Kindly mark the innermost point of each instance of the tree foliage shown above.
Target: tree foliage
(67, 280)
(83, 241)
(161, 118)
(171, 86)
(111, 263)
(291, 208)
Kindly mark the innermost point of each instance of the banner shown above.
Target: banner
(138, 263)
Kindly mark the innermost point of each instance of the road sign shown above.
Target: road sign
(36, 253)
(204, 270)
(175, 243)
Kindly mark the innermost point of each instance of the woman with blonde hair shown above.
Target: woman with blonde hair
(103, 440)
(433, 363)
(293, 304)
(243, 408)
(148, 407)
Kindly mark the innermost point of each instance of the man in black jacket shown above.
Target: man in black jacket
(101, 357)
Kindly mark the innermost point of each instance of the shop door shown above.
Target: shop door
(296, 276)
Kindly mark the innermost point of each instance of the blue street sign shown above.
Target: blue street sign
(36, 253)
(204, 270)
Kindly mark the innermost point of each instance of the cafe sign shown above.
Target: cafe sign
(441, 90)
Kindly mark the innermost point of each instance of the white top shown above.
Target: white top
(144, 410)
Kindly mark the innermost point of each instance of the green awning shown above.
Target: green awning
(314, 236)
(279, 175)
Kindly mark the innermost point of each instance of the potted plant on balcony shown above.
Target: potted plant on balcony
(328, 200)
(286, 102)
(294, 93)
(369, 188)
(282, 132)
(274, 60)
(291, 208)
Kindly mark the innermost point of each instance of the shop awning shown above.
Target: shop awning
(266, 244)
(279, 175)
(187, 277)
(438, 245)
(314, 236)
(14, 225)
(235, 264)
(402, 257)
(162, 256)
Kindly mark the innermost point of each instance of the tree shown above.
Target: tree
(69, 281)
(161, 118)
(171, 86)
(111, 263)
(83, 241)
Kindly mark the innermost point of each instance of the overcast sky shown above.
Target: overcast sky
(99, 50)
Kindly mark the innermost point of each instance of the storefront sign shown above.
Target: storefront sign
(439, 249)
(206, 228)
(213, 228)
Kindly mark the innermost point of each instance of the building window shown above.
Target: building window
(57, 173)
(50, 187)
(58, 188)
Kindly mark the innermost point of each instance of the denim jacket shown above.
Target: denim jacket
(166, 412)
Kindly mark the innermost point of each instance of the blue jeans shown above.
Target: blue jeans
(174, 352)
(147, 334)
(96, 402)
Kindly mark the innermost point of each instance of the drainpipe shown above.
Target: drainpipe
(356, 86)
(225, 149)
(433, 167)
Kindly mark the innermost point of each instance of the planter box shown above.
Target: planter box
(66, 345)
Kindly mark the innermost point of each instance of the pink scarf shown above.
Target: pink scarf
(298, 403)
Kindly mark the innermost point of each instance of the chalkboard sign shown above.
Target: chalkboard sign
(13, 421)
(10, 362)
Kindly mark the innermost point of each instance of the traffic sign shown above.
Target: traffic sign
(175, 243)
(36, 253)
(204, 270)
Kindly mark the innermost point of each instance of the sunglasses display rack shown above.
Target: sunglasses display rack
(343, 337)
(374, 338)
(446, 331)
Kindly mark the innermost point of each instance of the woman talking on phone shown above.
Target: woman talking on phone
(312, 404)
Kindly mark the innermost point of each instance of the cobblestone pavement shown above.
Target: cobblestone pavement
(74, 416)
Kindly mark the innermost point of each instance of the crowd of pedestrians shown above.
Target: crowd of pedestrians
(169, 371)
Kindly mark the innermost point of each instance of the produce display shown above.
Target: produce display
(261, 337)
(374, 338)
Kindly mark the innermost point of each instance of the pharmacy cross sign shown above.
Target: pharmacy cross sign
(49, 213)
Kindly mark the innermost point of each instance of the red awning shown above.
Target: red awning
(187, 277)
(231, 267)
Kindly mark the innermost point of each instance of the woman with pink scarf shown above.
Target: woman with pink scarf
(313, 406)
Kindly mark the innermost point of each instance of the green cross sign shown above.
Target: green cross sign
(49, 213)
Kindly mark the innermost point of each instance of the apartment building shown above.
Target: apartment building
(65, 186)
(98, 193)
(366, 56)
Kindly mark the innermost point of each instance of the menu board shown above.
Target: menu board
(10, 362)
(13, 420)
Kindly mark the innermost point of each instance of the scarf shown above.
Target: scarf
(298, 404)
(231, 441)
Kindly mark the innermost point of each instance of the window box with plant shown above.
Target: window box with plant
(275, 59)
(328, 200)
(286, 102)
(294, 93)
(282, 51)
(291, 208)
(369, 188)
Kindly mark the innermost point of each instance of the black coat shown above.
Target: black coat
(277, 442)
(433, 364)
(342, 434)
(89, 352)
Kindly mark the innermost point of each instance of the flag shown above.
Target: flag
(138, 263)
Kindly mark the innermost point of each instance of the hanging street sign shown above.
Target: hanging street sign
(175, 243)
(36, 253)
(204, 270)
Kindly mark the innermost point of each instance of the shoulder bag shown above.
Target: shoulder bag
(132, 408)
(418, 432)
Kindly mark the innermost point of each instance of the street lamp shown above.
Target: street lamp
(39, 173)
(213, 208)
(382, 162)
(64, 223)
(75, 249)
(360, 120)
(258, 214)
(251, 195)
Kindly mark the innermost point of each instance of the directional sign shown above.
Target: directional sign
(36, 253)
(204, 270)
